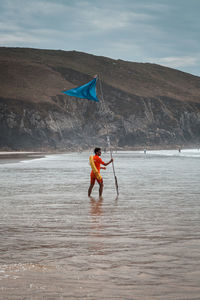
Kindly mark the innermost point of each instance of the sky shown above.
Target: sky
(165, 32)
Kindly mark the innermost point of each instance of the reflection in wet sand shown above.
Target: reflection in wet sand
(96, 242)
(96, 206)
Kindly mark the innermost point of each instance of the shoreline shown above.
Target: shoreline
(15, 156)
(46, 151)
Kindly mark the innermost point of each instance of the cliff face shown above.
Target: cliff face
(145, 104)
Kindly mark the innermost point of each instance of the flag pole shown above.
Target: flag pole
(103, 106)
(88, 91)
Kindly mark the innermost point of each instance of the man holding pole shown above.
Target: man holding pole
(96, 162)
(88, 91)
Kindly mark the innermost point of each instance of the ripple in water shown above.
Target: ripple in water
(56, 243)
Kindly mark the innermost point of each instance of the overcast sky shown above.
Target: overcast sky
(166, 32)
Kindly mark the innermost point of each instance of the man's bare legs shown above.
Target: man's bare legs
(90, 189)
(100, 188)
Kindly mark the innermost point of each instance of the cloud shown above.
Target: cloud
(119, 50)
(177, 62)
(12, 39)
(139, 30)
(107, 20)
(73, 23)
(86, 14)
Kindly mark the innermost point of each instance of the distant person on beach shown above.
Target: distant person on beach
(97, 162)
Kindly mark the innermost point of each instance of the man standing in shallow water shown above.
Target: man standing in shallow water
(98, 162)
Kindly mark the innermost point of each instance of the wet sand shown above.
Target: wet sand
(14, 157)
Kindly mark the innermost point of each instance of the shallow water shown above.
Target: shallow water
(55, 243)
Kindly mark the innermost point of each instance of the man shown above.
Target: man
(98, 162)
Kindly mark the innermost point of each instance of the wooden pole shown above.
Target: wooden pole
(102, 102)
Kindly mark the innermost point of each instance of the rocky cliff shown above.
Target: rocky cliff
(145, 104)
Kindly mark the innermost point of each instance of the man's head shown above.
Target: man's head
(97, 151)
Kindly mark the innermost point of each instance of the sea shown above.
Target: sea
(56, 243)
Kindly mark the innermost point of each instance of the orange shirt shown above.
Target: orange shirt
(98, 162)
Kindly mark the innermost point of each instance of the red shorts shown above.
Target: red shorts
(93, 178)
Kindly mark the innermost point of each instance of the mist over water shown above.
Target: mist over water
(56, 243)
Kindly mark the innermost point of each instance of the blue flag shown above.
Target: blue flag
(86, 91)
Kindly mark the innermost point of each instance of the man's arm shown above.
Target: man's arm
(105, 164)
